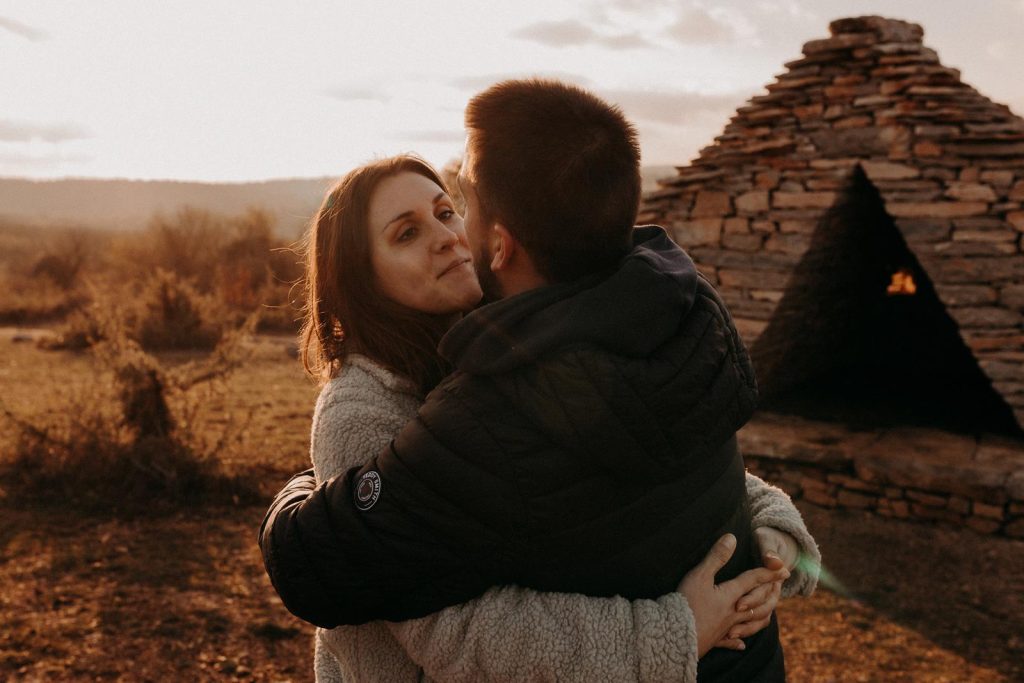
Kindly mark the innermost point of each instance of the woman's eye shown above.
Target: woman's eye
(446, 214)
(407, 234)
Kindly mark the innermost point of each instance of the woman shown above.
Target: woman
(388, 272)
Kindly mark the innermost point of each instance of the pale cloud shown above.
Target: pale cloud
(353, 93)
(998, 50)
(792, 8)
(683, 23)
(645, 7)
(697, 26)
(639, 6)
(20, 162)
(626, 41)
(443, 136)
(675, 107)
(557, 33)
(570, 32)
(20, 131)
(23, 30)
(482, 82)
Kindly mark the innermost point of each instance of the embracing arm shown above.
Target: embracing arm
(771, 507)
(551, 633)
(512, 633)
(515, 634)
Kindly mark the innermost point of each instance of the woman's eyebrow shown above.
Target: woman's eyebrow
(406, 214)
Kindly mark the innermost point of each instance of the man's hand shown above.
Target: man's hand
(715, 608)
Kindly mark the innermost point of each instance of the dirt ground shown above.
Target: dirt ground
(184, 596)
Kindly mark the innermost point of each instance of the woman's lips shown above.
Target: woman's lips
(453, 266)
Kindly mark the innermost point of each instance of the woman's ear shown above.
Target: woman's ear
(505, 246)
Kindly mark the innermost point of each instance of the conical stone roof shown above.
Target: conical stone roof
(947, 162)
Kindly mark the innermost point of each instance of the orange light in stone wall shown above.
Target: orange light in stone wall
(902, 284)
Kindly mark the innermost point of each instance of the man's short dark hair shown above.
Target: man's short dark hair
(560, 168)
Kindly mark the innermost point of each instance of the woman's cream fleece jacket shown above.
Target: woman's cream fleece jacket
(509, 633)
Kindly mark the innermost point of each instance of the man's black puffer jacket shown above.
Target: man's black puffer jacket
(585, 443)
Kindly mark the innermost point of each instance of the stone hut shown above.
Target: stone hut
(863, 222)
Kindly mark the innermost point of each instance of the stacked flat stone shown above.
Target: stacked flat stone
(909, 473)
(947, 161)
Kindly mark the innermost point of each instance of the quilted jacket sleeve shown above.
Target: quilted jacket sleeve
(423, 543)
(515, 634)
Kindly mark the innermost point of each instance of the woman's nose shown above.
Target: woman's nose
(446, 237)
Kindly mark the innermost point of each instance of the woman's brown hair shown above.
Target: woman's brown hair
(344, 312)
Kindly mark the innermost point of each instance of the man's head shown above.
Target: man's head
(557, 169)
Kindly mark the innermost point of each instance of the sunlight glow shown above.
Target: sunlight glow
(236, 90)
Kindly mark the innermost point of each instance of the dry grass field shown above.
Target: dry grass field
(181, 595)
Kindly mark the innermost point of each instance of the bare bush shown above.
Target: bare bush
(188, 245)
(64, 260)
(133, 443)
(213, 270)
(258, 271)
(171, 314)
(27, 300)
(82, 328)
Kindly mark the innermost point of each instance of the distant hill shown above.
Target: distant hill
(129, 204)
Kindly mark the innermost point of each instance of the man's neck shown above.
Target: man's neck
(517, 283)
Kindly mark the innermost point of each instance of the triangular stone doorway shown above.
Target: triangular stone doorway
(861, 337)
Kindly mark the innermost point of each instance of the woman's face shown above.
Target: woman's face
(418, 247)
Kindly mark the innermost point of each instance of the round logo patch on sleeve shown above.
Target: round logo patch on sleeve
(367, 490)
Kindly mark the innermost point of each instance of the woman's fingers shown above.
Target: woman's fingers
(731, 644)
(752, 578)
(719, 554)
(752, 619)
(756, 597)
(748, 628)
(702, 576)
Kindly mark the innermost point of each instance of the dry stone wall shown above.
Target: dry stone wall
(911, 473)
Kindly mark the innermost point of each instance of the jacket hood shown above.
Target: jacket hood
(630, 312)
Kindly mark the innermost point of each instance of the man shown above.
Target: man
(585, 441)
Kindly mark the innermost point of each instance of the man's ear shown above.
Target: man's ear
(505, 247)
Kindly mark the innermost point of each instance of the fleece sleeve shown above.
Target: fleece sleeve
(325, 667)
(515, 634)
(770, 506)
(348, 431)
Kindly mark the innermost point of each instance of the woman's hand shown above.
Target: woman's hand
(715, 608)
(773, 542)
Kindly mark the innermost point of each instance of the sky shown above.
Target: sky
(232, 90)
